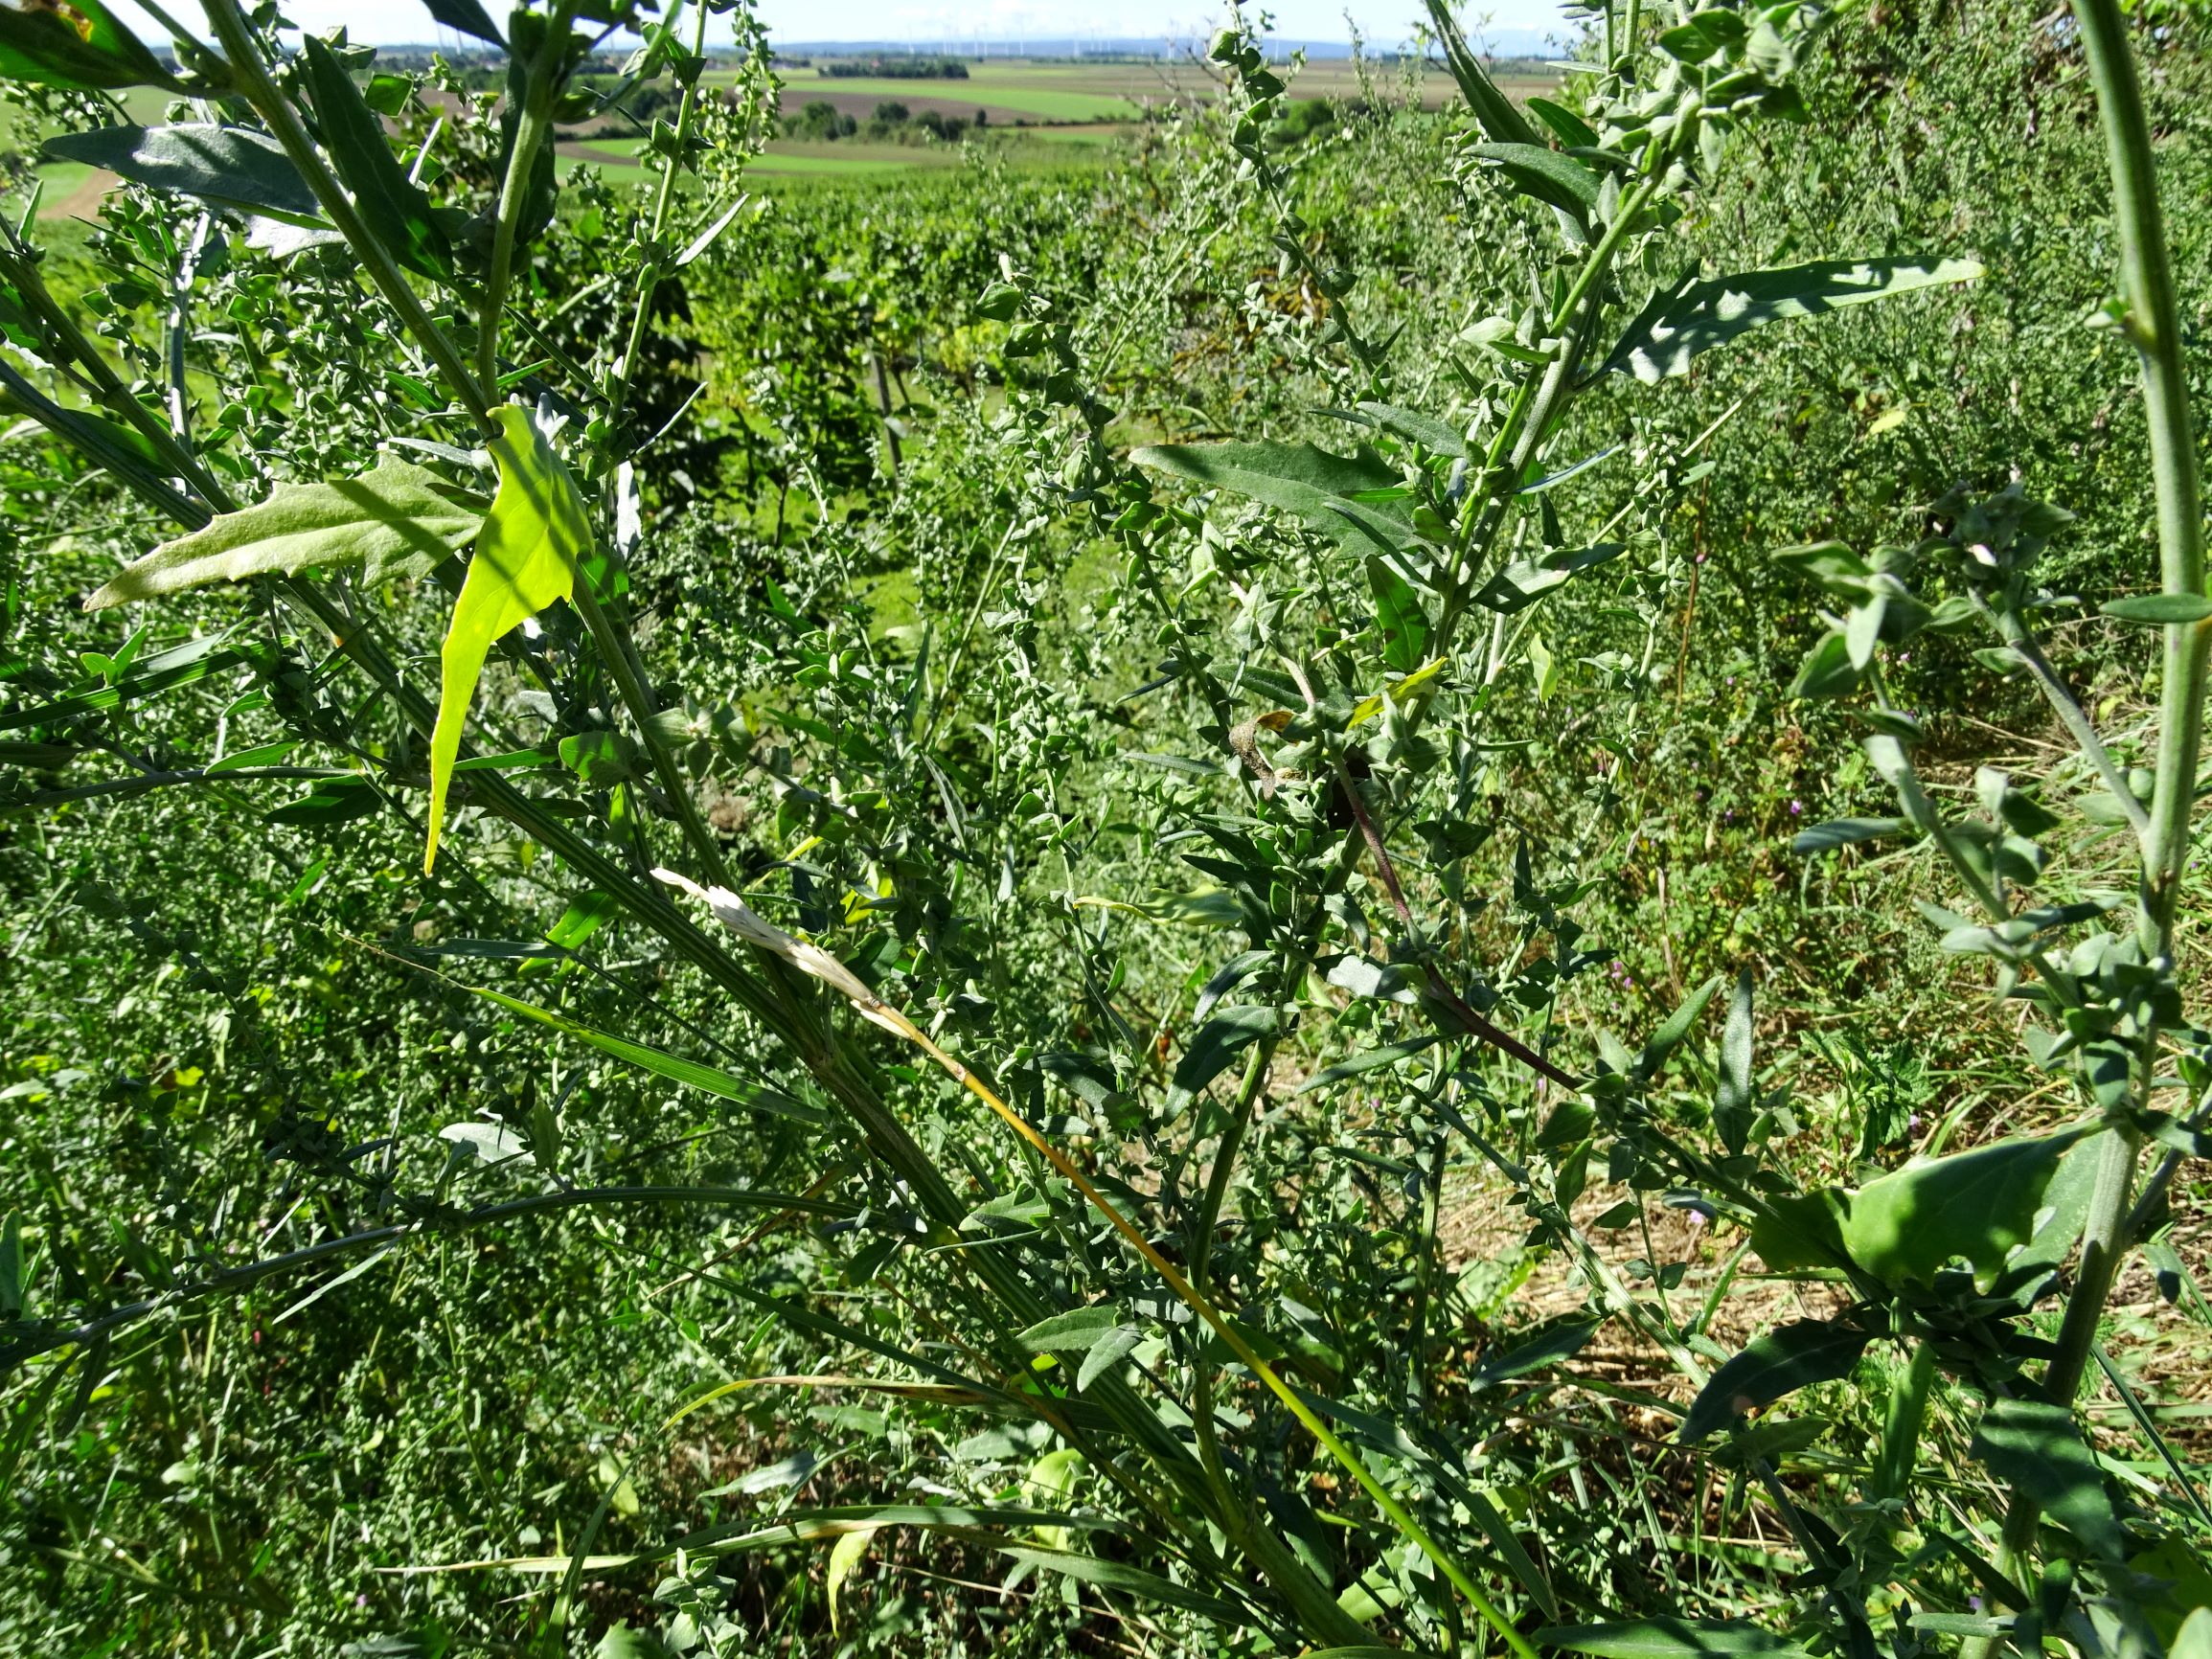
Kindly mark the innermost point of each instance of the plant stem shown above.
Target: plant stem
(228, 1280)
(2071, 716)
(532, 120)
(384, 274)
(620, 655)
(649, 279)
(881, 1013)
(2154, 324)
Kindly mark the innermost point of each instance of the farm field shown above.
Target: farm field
(1421, 875)
(1057, 104)
(1012, 91)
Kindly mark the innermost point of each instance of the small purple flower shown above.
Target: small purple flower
(1912, 1125)
(1974, 1601)
(1696, 1221)
(1795, 807)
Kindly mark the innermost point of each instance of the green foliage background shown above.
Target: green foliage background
(212, 1010)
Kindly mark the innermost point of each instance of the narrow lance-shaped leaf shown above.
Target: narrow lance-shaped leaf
(1845, 832)
(11, 1269)
(1129, 1581)
(1669, 1037)
(1071, 1331)
(713, 1079)
(1694, 316)
(1672, 1639)
(148, 677)
(226, 166)
(1368, 1060)
(1427, 430)
(1560, 1343)
(1495, 111)
(396, 210)
(396, 519)
(1295, 478)
(1546, 175)
(526, 558)
(467, 16)
(1217, 1042)
(2159, 609)
(1733, 1102)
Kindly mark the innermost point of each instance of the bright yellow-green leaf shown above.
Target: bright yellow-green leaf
(526, 558)
(845, 1554)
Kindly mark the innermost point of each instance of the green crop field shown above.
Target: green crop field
(1378, 868)
(1011, 95)
(848, 159)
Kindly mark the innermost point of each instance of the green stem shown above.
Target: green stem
(1900, 1431)
(230, 1280)
(540, 82)
(109, 387)
(620, 654)
(2069, 710)
(252, 78)
(1399, 1517)
(649, 278)
(2154, 324)
(1536, 413)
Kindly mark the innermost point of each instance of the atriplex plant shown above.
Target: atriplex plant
(1159, 1346)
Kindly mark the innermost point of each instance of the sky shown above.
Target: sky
(1385, 23)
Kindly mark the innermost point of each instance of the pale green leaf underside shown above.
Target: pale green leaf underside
(526, 558)
(395, 520)
(1695, 316)
(226, 166)
(1294, 478)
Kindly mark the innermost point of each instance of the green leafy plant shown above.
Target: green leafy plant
(1135, 718)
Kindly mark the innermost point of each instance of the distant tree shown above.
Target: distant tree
(899, 68)
(820, 122)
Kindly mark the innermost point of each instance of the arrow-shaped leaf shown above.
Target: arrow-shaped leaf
(1694, 316)
(1976, 1205)
(2034, 1448)
(395, 520)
